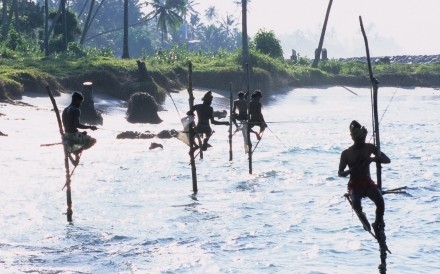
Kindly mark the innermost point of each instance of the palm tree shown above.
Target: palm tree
(227, 24)
(188, 11)
(211, 13)
(321, 40)
(89, 19)
(194, 23)
(168, 13)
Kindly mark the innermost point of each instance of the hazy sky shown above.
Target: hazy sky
(394, 27)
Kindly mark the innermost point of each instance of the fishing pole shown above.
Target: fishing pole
(350, 90)
(277, 137)
(51, 144)
(174, 103)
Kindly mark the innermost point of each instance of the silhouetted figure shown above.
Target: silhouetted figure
(256, 117)
(76, 141)
(204, 116)
(358, 158)
(240, 104)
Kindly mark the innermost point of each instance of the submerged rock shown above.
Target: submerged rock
(155, 145)
(143, 108)
(135, 135)
(164, 134)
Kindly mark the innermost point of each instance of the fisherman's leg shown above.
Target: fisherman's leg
(357, 207)
(234, 120)
(379, 225)
(355, 201)
(87, 141)
(205, 140)
(256, 133)
(376, 196)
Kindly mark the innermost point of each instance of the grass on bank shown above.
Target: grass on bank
(169, 67)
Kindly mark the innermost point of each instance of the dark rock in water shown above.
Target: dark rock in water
(135, 135)
(174, 133)
(155, 145)
(220, 114)
(89, 115)
(146, 135)
(2, 134)
(142, 108)
(164, 134)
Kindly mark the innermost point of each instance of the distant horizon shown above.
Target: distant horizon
(397, 28)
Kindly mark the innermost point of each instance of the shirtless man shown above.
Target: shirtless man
(205, 114)
(358, 159)
(256, 117)
(241, 105)
(77, 141)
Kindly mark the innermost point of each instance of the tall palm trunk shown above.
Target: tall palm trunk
(244, 35)
(87, 22)
(46, 27)
(321, 40)
(125, 54)
(4, 19)
(64, 17)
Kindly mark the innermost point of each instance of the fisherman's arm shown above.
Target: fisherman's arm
(342, 165)
(191, 111)
(215, 122)
(384, 159)
(79, 125)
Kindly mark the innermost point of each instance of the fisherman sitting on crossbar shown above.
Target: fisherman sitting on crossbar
(75, 140)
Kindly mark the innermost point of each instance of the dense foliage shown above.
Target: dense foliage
(85, 37)
(266, 42)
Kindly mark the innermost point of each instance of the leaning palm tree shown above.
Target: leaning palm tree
(321, 40)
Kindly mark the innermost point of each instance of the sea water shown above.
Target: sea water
(134, 211)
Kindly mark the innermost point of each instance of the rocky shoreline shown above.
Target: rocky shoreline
(398, 59)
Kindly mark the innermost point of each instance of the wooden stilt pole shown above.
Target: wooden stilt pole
(191, 132)
(69, 212)
(248, 125)
(231, 102)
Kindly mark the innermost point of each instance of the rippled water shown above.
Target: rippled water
(134, 212)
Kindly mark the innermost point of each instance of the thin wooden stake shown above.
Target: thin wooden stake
(231, 102)
(69, 212)
(248, 125)
(191, 132)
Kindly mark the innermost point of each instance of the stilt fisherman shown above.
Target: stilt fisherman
(240, 105)
(76, 141)
(205, 114)
(358, 158)
(256, 117)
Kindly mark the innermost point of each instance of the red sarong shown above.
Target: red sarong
(361, 185)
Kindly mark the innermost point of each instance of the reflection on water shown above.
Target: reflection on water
(134, 212)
